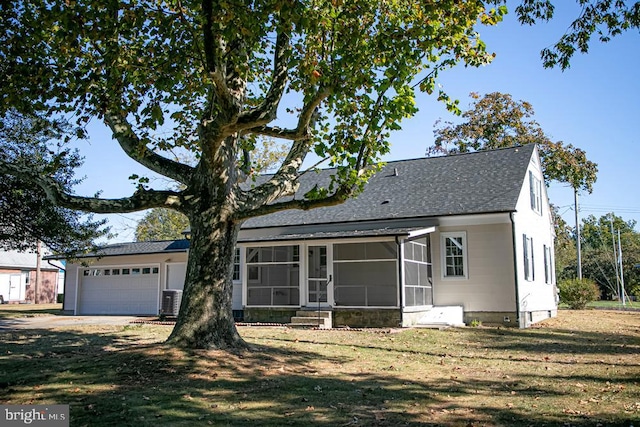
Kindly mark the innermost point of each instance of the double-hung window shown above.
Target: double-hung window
(454, 255)
(548, 267)
(528, 257)
(535, 189)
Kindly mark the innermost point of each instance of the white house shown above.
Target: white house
(472, 230)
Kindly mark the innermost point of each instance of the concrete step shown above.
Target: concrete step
(311, 322)
(314, 313)
(440, 316)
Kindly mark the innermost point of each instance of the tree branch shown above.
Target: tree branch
(341, 194)
(140, 200)
(266, 111)
(280, 133)
(284, 182)
(138, 151)
(213, 52)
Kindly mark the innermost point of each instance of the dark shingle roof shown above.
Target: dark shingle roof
(473, 183)
(137, 248)
(341, 234)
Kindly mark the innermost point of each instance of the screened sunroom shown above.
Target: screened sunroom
(393, 272)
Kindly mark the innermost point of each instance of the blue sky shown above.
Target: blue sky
(594, 105)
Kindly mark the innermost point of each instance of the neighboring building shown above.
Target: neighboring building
(470, 230)
(18, 277)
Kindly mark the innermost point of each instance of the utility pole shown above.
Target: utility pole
(621, 271)
(615, 256)
(578, 249)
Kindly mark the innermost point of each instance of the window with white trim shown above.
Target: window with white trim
(548, 265)
(454, 255)
(535, 189)
(528, 257)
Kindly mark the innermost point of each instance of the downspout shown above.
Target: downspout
(515, 267)
(400, 287)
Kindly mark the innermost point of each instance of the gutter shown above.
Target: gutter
(515, 267)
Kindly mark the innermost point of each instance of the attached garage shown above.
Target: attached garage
(123, 290)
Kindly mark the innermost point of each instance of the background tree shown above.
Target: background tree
(599, 262)
(495, 120)
(161, 224)
(565, 258)
(27, 216)
(209, 77)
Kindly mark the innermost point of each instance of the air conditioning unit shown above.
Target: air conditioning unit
(171, 299)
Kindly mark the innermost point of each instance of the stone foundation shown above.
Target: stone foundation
(268, 315)
(366, 318)
(391, 318)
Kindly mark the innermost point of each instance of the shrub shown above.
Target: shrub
(578, 293)
(475, 323)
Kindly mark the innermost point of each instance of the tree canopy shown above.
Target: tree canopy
(210, 77)
(603, 18)
(496, 120)
(26, 214)
(161, 224)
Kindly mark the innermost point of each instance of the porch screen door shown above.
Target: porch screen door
(318, 278)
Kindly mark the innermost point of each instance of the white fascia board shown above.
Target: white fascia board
(478, 219)
(421, 232)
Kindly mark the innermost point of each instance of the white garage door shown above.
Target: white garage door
(119, 290)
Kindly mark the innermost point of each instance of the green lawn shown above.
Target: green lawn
(614, 305)
(29, 310)
(580, 369)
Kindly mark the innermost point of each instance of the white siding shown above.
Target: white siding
(535, 295)
(489, 285)
(70, 287)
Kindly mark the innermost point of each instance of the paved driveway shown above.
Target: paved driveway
(46, 322)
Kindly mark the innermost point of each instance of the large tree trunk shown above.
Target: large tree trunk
(206, 319)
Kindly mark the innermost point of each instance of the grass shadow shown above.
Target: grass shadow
(126, 376)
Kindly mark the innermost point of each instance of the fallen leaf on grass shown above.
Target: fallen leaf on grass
(574, 412)
(379, 416)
